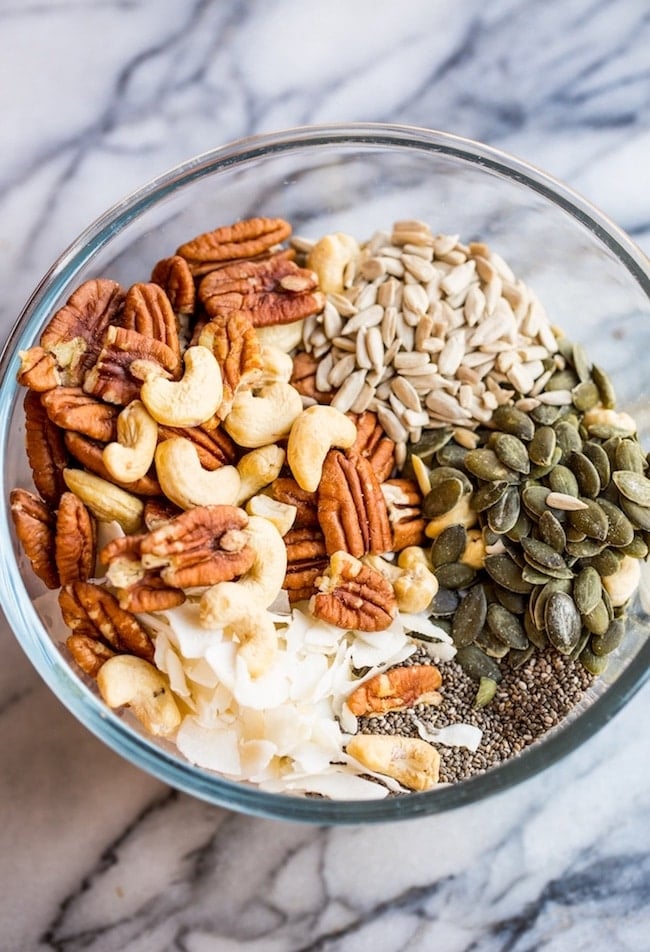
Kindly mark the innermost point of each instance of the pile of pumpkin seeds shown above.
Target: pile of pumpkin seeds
(562, 502)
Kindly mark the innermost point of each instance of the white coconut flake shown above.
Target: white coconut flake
(215, 749)
(423, 625)
(454, 735)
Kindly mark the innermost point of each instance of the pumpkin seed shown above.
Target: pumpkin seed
(546, 414)
(538, 472)
(585, 395)
(443, 498)
(491, 645)
(451, 454)
(599, 458)
(429, 443)
(639, 516)
(597, 620)
(517, 658)
(605, 431)
(606, 562)
(506, 627)
(551, 532)
(586, 474)
(583, 640)
(540, 574)
(630, 456)
(620, 530)
(534, 500)
(440, 474)
(605, 644)
(506, 573)
(487, 495)
(562, 622)
(538, 604)
(563, 480)
(590, 520)
(593, 663)
(637, 548)
(444, 604)
(584, 548)
(470, 617)
(477, 664)
(605, 387)
(485, 464)
(587, 589)
(580, 362)
(634, 486)
(513, 601)
(521, 528)
(511, 420)
(455, 575)
(568, 438)
(512, 452)
(449, 546)
(535, 635)
(540, 554)
(542, 446)
(503, 515)
(487, 688)
(562, 380)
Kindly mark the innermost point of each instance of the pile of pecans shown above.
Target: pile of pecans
(379, 430)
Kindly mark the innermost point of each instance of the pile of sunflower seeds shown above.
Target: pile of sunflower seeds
(429, 332)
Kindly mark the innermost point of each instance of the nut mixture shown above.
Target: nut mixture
(295, 497)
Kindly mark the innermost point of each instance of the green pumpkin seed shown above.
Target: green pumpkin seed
(551, 532)
(511, 420)
(630, 456)
(538, 553)
(542, 446)
(568, 439)
(606, 562)
(562, 622)
(491, 645)
(580, 361)
(477, 664)
(586, 474)
(598, 456)
(517, 659)
(585, 395)
(538, 472)
(442, 498)
(634, 486)
(429, 443)
(440, 474)
(605, 644)
(512, 452)
(449, 546)
(563, 480)
(506, 573)
(513, 601)
(485, 464)
(593, 663)
(444, 604)
(535, 575)
(637, 548)
(591, 520)
(605, 387)
(487, 495)
(597, 620)
(504, 514)
(538, 604)
(487, 688)
(470, 617)
(587, 589)
(562, 380)
(584, 548)
(521, 528)
(605, 431)
(546, 414)
(455, 575)
(583, 640)
(506, 627)
(537, 636)
(639, 516)
(451, 454)
(534, 500)
(620, 530)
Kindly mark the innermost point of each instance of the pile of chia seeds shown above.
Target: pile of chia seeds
(529, 702)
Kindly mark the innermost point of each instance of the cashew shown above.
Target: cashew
(257, 420)
(131, 456)
(281, 514)
(316, 430)
(229, 605)
(474, 554)
(622, 585)
(191, 400)
(461, 513)
(277, 366)
(187, 483)
(417, 586)
(131, 681)
(285, 337)
(257, 469)
(409, 760)
(265, 577)
(106, 501)
(329, 257)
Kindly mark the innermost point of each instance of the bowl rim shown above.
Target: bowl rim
(46, 656)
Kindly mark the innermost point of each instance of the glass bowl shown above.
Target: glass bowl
(592, 279)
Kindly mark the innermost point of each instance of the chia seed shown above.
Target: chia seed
(528, 703)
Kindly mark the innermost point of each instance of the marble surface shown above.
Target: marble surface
(98, 96)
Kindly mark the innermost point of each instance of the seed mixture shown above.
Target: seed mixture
(338, 518)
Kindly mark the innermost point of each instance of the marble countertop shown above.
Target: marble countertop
(98, 96)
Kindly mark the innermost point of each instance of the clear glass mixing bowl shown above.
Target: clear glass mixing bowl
(592, 279)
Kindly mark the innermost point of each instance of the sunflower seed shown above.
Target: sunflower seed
(349, 391)
(565, 502)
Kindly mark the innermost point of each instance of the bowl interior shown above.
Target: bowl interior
(590, 278)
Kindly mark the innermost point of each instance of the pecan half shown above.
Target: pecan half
(157, 511)
(138, 589)
(88, 653)
(46, 450)
(90, 454)
(202, 546)
(34, 525)
(148, 311)
(303, 378)
(232, 339)
(215, 447)
(272, 291)
(175, 278)
(75, 333)
(351, 508)
(38, 370)
(122, 363)
(306, 561)
(74, 545)
(354, 596)
(404, 503)
(373, 444)
(396, 690)
(92, 611)
(285, 489)
(244, 239)
(72, 409)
